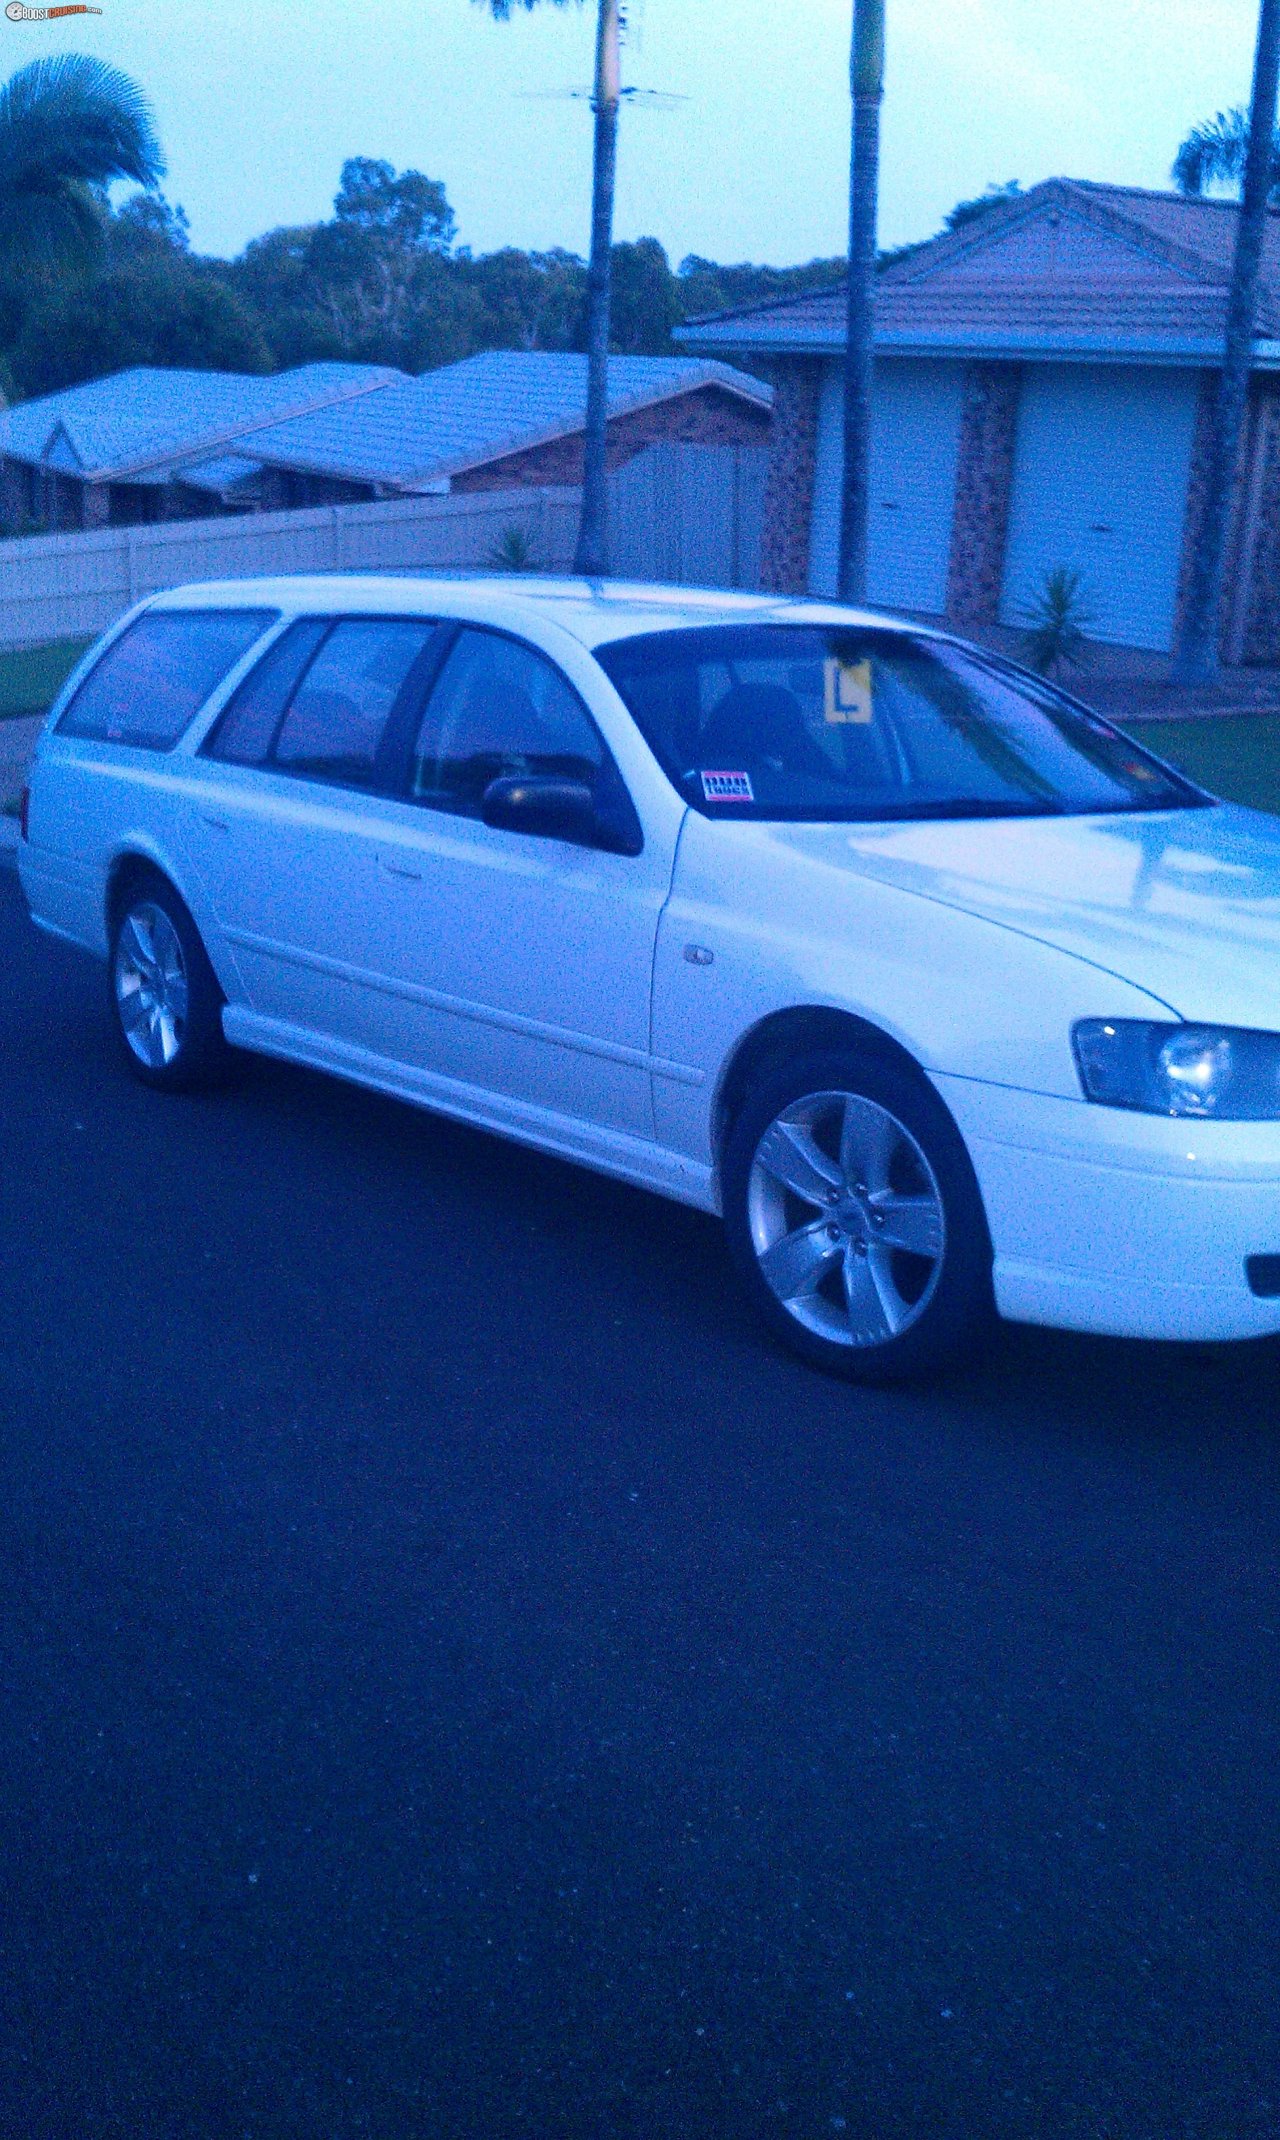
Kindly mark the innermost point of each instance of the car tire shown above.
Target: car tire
(164, 993)
(855, 1220)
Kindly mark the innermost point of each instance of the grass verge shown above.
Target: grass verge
(1236, 756)
(32, 676)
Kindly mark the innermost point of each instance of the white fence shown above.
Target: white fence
(61, 586)
(689, 516)
(682, 514)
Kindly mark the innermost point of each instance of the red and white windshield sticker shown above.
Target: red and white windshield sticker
(727, 787)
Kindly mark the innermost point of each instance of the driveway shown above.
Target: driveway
(459, 1681)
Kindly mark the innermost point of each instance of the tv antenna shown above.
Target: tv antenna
(651, 99)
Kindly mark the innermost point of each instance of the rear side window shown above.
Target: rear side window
(153, 680)
(339, 712)
(245, 731)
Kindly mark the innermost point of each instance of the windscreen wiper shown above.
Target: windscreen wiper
(970, 806)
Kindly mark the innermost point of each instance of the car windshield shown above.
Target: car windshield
(798, 721)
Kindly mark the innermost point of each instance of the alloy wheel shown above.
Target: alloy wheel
(151, 985)
(846, 1219)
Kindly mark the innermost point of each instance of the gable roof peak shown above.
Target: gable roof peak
(1166, 237)
(61, 450)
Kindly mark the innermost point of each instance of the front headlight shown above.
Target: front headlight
(1216, 1073)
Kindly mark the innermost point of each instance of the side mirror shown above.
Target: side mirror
(543, 805)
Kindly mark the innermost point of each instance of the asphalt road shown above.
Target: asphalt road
(457, 1680)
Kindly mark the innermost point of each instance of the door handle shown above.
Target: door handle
(207, 817)
(400, 869)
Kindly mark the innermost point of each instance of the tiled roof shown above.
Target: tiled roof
(138, 423)
(422, 430)
(228, 473)
(1205, 228)
(1125, 272)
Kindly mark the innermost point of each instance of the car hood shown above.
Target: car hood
(1184, 903)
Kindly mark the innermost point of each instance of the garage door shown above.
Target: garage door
(915, 445)
(1100, 485)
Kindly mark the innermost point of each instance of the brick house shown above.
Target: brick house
(155, 445)
(504, 419)
(1044, 388)
(149, 445)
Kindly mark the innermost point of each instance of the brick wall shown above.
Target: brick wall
(984, 486)
(709, 416)
(788, 498)
(1238, 542)
(1251, 624)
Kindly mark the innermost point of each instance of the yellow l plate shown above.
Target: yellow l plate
(847, 691)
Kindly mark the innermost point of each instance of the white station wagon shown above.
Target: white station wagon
(946, 994)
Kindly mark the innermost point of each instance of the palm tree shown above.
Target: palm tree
(69, 126)
(1195, 658)
(1213, 154)
(866, 80)
(592, 555)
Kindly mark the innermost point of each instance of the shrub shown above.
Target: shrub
(1057, 618)
(512, 552)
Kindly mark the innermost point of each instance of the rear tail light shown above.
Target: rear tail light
(24, 815)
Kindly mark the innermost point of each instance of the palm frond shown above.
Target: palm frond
(503, 10)
(70, 117)
(1214, 153)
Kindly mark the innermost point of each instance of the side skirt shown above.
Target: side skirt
(633, 1159)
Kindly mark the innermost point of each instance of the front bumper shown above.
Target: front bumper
(1126, 1224)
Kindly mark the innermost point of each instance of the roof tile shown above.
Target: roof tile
(504, 401)
(138, 421)
(1164, 291)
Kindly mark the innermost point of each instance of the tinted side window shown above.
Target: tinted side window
(499, 709)
(341, 708)
(245, 731)
(151, 683)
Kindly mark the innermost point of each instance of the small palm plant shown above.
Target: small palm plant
(1057, 618)
(512, 552)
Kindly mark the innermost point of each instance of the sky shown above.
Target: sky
(260, 101)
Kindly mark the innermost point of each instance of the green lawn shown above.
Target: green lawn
(31, 679)
(1236, 756)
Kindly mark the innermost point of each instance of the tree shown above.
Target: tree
(982, 203)
(1195, 657)
(406, 211)
(645, 300)
(706, 286)
(146, 224)
(1214, 152)
(373, 284)
(592, 554)
(366, 267)
(527, 300)
(866, 81)
(69, 127)
(167, 311)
